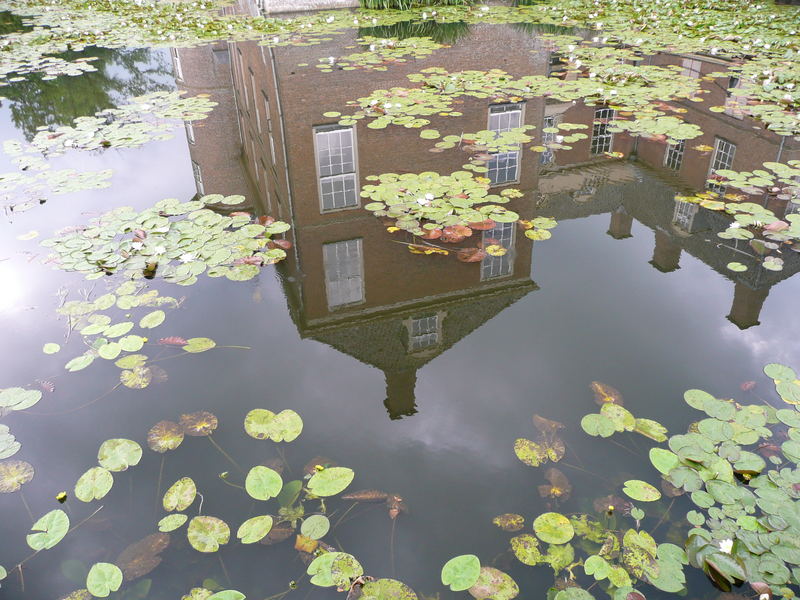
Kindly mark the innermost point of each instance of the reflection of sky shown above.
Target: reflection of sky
(601, 313)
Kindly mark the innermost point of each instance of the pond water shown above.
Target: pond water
(416, 371)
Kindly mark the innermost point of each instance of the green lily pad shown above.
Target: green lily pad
(94, 484)
(493, 584)
(641, 491)
(103, 578)
(119, 454)
(330, 481)
(172, 522)
(315, 527)
(553, 528)
(461, 572)
(153, 319)
(207, 534)
(387, 589)
(263, 483)
(49, 530)
(254, 529)
(180, 495)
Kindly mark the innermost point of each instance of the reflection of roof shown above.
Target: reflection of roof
(380, 340)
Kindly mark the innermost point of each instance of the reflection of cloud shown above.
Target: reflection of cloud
(11, 289)
(775, 340)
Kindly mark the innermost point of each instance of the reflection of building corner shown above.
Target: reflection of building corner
(214, 143)
(747, 304)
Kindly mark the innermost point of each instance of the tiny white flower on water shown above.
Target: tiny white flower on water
(734, 225)
(424, 15)
(159, 250)
(714, 50)
(329, 19)
(726, 546)
(484, 8)
(578, 64)
(374, 21)
(137, 245)
(763, 597)
(423, 201)
(187, 257)
(429, 196)
(331, 59)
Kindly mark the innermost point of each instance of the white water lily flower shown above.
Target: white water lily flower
(137, 245)
(423, 201)
(429, 196)
(726, 546)
(329, 19)
(187, 257)
(159, 250)
(734, 225)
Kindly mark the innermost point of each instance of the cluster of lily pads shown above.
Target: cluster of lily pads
(738, 468)
(146, 118)
(380, 53)
(175, 240)
(766, 235)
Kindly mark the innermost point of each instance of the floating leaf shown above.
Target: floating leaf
(180, 495)
(264, 424)
(51, 348)
(207, 534)
(254, 529)
(164, 435)
(641, 491)
(14, 474)
(140, 558)
(48, 530)
(103, 578)
(605, 394)
(137, 378)
(153, 319)
(493, 584)
(553, 528)
(263, 483)
(17, 398)
(387, 589)
(509, 522)
(345, 569)
(526, 549)
(94, 484)
(201, 344)
(119, 454)
(461, 572)
(199, 424)
(172, 522)
(227, 595)
(330, 481)
(315, 527)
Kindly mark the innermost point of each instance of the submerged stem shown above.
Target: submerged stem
(225, 454)
(28, 508)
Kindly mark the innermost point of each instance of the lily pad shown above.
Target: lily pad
(553, 528)
(119, 454)
(172, 522)
(315, 527)
(94, 484)
(330, 481)
(254, 529)
(263, 483)
(493, 584)
(48, 530)
(461, 572)
(103, 578)
(14, 474)
(641, 491)
(180, 495)
(207, 534)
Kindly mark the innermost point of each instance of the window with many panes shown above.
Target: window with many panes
(198, 178)
(423, 332)
(499, 266)
(189, 131)
(548, 156)
(176, 62)
(684, 213)
(735, 103)
(344, 272)
(722, 158)
(336, 167)
(503, 167)
(269, 126)
(673, 157)
(691, 67)
(602, 138)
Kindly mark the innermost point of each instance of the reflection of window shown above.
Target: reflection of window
(684, 213)
(498, 266)
(504, 166)
(734, 103)
(691, 67)
(505, 117)
(673, 157)
(424, 332)
(336, 167)
(221, 56)
(176, 61)
(269, 126)
(344, 272)
(189, 131)
(602, 138)
(721, 159)
(548, 156)
(198, 178)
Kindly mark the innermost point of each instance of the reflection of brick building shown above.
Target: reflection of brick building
(351, 286)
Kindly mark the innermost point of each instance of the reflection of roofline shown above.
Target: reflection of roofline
(362, 317)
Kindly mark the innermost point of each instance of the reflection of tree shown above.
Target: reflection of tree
(121, 73)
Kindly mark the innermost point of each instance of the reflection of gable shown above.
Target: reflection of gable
(380, 336)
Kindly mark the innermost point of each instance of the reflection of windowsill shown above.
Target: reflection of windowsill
(335, 210)
(497, 185)
(344, 306)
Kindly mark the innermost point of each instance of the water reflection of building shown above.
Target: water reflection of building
(351, 286)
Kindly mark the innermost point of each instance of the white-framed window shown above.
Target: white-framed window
(683, 215)
(722, 158)
(691, 67)
(548, 156)
(198, 178)
(189, 131)
(499, 266)
(336, 167)
(602, 138)
(344, 272)
(505, 117)
(176, 63)
(255, 164)
(673, 156)
(503, 167)
(734, 103)
(423, 332)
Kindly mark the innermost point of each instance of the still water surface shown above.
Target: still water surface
(418, 372)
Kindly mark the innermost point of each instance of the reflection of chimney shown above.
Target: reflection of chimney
(666, 254)
(747, 304)
(400, 399)
(621, 223)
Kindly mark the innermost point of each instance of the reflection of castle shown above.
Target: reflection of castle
(349, 284)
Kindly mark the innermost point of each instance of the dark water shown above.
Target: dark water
(630, 291)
